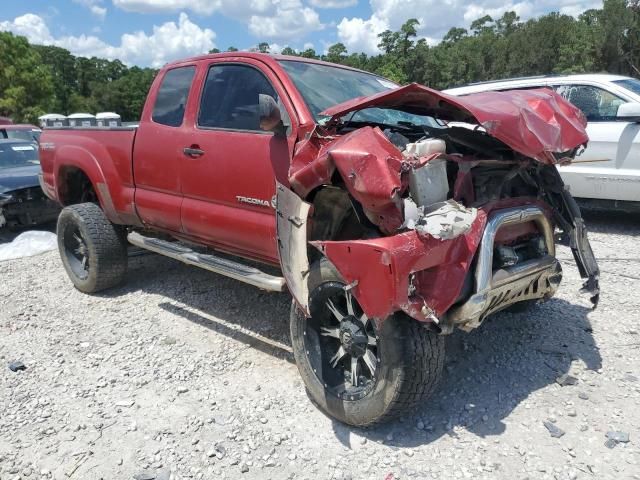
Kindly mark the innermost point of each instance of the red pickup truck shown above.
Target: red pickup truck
(394, 214)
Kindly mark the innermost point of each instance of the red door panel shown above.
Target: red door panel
(219, 186)
(228, 187)
(158, 149)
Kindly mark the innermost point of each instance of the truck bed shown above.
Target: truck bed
(104, 154)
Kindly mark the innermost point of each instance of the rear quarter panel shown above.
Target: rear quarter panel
(104, 155)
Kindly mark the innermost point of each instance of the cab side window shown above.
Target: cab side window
(598, 105)
(230, 98)
(172, 96)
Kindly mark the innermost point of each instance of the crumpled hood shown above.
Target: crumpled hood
(535, 123)
(18, 178)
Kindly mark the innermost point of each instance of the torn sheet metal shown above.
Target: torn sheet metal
(536, 123)
(382, 268)
(370, 167)
(569, 218)
(446, 220)
(291, 225)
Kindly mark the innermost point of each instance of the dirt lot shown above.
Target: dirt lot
(184, 374)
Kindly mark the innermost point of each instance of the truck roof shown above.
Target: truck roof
(268, 58)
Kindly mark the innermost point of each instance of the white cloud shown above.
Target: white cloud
(31, 26)
(205, 7)
(169, 41)
(94, 7)
(98, 11)
(288, 20)
(360, 34)
(333, 3)
(267, 19)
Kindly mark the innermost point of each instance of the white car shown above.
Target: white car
(609, 169)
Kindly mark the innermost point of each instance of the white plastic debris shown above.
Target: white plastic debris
(412, 214)
(425, 147)
(28, 244)
(446, 221)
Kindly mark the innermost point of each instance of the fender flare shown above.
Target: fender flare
(81, 158)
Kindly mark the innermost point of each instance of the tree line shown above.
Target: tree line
(36, 79)
(39, 79)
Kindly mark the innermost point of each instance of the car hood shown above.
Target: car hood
(18, 178)
(535, 123)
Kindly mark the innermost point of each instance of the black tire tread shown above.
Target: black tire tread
(423, 366)
(108, 245)
(420, 366)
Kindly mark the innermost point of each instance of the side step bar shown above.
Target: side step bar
(223, 266)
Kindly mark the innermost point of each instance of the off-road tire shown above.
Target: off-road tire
(410, 364)
(105, 244)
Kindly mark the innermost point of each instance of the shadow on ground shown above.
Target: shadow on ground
(220, 304)
(7, 235)
(615, 222)
(488, 372)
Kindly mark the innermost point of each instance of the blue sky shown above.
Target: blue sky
(152, 32)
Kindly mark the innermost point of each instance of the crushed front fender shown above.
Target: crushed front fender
(420, 275)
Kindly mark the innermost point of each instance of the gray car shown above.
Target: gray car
(22, 201)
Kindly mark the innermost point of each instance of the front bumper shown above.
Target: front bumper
(425, 277)
(495, 290)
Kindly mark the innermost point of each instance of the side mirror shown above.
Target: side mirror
(629, 112)
(270, 117)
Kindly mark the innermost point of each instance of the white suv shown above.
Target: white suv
(609, 169)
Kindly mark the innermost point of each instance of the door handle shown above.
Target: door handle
(193, 151)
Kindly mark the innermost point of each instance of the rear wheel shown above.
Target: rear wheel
(356, 371)
(92, 249)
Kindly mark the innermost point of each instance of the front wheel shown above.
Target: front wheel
(357, 372)
(92, 249)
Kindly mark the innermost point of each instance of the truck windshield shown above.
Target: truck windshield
(632, 84)
(18, 154)
(323, 86)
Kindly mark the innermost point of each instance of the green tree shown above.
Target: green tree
(62, 66)
(26, 90)
(309, 53)
(336, 53)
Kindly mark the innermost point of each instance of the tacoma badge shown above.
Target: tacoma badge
(253, 201)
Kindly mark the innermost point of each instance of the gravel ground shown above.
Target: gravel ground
(184, 374)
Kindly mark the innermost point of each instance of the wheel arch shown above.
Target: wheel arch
(80, 178)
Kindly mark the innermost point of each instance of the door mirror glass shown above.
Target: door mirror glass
(629, 112)
(270, 117)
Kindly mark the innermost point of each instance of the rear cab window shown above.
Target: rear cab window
(172, 96)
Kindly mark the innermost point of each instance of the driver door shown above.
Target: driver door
(228, 180)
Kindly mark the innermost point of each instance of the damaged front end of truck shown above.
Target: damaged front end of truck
(447, 224)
